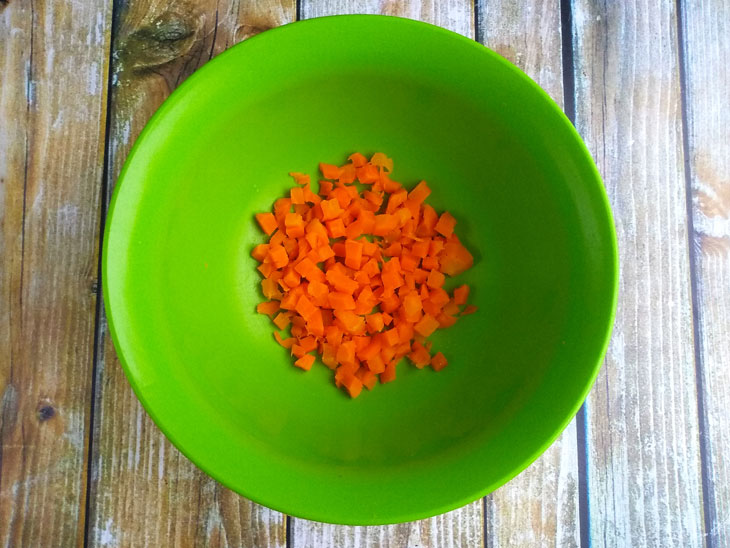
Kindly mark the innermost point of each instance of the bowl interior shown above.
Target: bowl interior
(181, 287)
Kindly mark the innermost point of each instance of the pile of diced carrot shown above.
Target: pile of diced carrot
(358, 277)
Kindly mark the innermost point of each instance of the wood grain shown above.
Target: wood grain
(53, 71)
(463, 527)
(458, 529)
(706, 26)
(643, 450)
(143, 491)
(540, 506)
(456, 15)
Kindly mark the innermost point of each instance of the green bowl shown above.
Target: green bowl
(181, 288)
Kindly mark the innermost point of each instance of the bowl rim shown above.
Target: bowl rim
(282, 505)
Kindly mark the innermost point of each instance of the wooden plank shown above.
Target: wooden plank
(706, 25)
(540, 506)
(456, 15)
(143, 491)
(458, 529)
(644, 479)
(463, 527)
(53, 71)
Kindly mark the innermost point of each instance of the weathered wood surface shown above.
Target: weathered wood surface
(53, 66)
(463, 527)
(706, 27)
(143, 491)
(644, 484)
(540, 506)
(644, 479)
(456, 15)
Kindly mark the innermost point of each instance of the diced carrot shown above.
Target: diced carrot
(438, 296)
(412, 307)
(357, 159)
(455, 258)
(330, 209)
(366, 300)
(351, 322)
(347, 174)
(367, 377)
(368, 174)
(305, 362)
(341, 282)
(353, 385)
(451, 307)
(267, 222)
(329, 355)
(435, 279)
(445, 320)
(346, 353)
(286, 343)
(318, 290)
(381, 160)
(325, 187)
(428, 221)
(371, 268)
(308, 343)
(420, 276)
(300, 178)
(353, 253)
(470, 309)
(437, 244)
(294, 225)
(341, 301)
(277, 256)
(329, 171)
(395, 200)
(388, 271)
(374, 198)
(420, 248)
(291, 278)
(282, 206)
(408, 262)
(419, 355)
(297, 195)
(315, 324)
(384, 224)
(391, 274)
(305, 308)
(388, 374)
(333, 335)
(375, 322)
(405, 332)
(370, 351)
(391, 337)
(296, 349)
(278, 237)
(389, 302)
(389, 185)
(270, 289)
(438, 362)
(426, 326)
(445, 225)
(282, 320)
(343, 197)
(268, 307)
(419, 193)
(260, 251)
(430, 263)
(393, 250)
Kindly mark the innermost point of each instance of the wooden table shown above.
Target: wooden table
(645, 463)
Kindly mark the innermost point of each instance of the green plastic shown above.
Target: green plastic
(180, 286)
